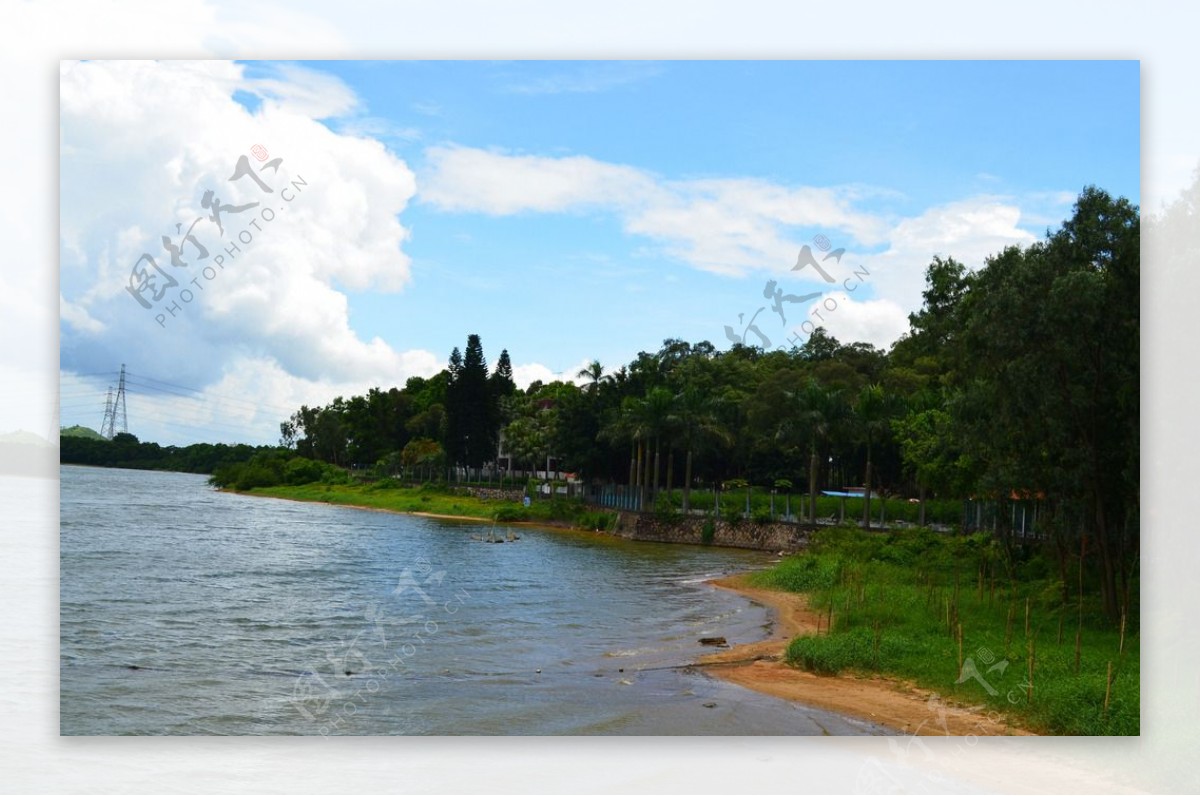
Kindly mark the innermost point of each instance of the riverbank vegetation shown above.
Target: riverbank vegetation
(972, 619)
(391, 495)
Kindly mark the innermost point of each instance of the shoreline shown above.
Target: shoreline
(549, 525)
(760, 665)
(889, 701)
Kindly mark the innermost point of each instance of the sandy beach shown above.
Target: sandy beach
(889, 701)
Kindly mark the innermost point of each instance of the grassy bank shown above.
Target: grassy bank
(393, 496)
(972, 622)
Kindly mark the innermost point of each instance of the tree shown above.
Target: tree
(694, 414)
(817, 411)
(928, 445)
(501, 380)
(1050, 389)
(595, 375)
(873, 413)
(422, 454)
(472, 407)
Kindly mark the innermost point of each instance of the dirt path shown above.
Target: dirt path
(892, 702)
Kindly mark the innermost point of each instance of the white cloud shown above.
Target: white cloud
(728, 226)
(78, 317)
(879, 322)
(466, 179)
(741, 226)
(526, 374)
(142, 142)
(305, 92)
(969, 230)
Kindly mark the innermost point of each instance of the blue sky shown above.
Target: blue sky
(563, 210)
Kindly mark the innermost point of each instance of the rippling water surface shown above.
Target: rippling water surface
(190, 611)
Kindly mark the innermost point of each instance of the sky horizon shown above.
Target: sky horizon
(380, 212)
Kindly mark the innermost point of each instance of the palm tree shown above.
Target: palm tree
(815, 411)
(657, 418)
(694, 413)
(595, 375)
(873, 412)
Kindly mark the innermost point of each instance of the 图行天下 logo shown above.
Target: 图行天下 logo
(150, 283)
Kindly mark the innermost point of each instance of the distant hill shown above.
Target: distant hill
(23, 453)
(81, 431)
(22, 438)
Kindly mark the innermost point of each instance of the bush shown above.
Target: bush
(302, 471)
(708, 532)
(595, 520)
(511, 514)
(664, 510)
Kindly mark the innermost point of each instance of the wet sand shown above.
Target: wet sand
(761, 666)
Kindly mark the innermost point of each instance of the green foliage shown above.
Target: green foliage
(302, 471)
(708, 532)
(511, 514)
(595, 520)
(888, 597)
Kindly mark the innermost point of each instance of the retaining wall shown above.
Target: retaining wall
(774, 536)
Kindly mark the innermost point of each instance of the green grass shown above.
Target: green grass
(733, 504)
(896, 601)
(390, 495)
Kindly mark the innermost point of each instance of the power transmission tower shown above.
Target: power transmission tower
(106, 425)
(119, 403)
(115, 420)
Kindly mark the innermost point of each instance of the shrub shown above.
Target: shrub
(302, 471)
(731, 512)
(510, 514)
(708, 532)
(594, 520)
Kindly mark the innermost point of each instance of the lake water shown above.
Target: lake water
(189, 611)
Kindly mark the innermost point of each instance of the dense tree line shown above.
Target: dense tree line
(125, 450)
(1018, 379)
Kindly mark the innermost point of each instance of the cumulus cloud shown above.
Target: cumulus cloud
(142, 143)
(879, 322)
